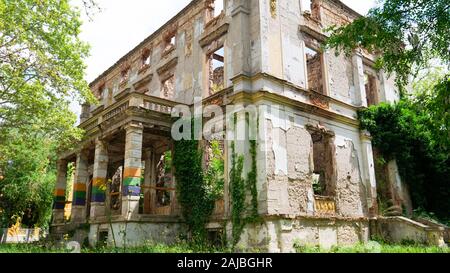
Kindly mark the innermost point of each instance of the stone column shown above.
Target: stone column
(99, 180)
(59, 202)
(368, 172)
(132, 170)
(79, 188)
(359, 80)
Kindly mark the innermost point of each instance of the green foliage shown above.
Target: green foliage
(429, 216)
(184, 247)
(41, 67)
(409, 33)
(251, 184)
(237, 191)
(147, 247)
(406, 132)
(432, 99)
(26, 191)
(41, 73)
(167, 163)
(214, 175)
(369, 248)
(240, 216)
(196, 203)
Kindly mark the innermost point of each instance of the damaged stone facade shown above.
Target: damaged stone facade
(315, 167)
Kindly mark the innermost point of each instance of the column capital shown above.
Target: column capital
(133, 125)
(101, 143)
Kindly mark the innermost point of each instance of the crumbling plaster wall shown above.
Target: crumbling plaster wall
(282, 46)
(289, 170)
(341, 81)
(138, 234)
(350, 191)
(288, 151)
(283, 235)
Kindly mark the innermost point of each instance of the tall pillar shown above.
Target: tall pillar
(132, 170)
(99, 180)
(359, 80)
(79, 188)
(368, 172)
(59, 202)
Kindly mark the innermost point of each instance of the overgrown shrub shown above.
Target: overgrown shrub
(196, 203)
(406, 131)
(26, 190)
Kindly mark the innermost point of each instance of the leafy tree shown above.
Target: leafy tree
(26, 191)
(415, 133)
(41, 66)
(432, 96)
(406, 35)
(41, 72)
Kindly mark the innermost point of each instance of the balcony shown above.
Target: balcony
(131, 104)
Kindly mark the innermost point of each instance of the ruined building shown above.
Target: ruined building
(316, 180)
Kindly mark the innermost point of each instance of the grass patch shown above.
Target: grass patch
(29, 248)
(374, 247)
(371, 247)
(146, 248)
(159, 248)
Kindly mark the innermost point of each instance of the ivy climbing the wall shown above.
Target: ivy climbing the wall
(242, 213)
(237, 190)
(196, 203)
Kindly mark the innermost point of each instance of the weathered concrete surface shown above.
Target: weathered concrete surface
(350, 191)
(400, 229)
(280, 234)
(137, 234)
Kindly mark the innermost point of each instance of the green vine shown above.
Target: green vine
(197, 205)
(238, 189)
(251, 183)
